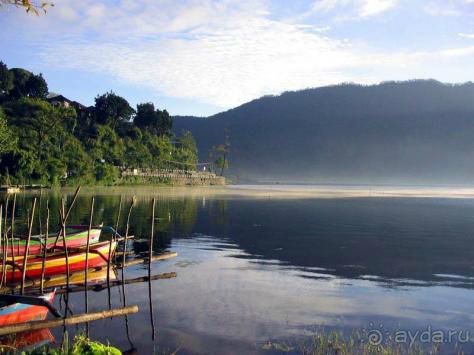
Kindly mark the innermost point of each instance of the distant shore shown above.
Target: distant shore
(277, 191)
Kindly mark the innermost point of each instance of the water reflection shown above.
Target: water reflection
(257, 269)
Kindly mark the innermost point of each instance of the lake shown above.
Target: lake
(255, 266)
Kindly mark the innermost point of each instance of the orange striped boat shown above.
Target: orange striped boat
(21, 312)
(56, 263)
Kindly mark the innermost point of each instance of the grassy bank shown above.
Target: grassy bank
(358, 343)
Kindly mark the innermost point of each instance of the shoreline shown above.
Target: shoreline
(272, 191)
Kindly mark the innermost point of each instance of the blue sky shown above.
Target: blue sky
(199, 57)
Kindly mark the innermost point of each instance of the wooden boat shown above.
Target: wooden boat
(13, 313)
(26, 341)
(56, 263)
(94, 276)
(76, 236)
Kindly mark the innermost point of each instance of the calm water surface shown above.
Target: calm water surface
(250, 270)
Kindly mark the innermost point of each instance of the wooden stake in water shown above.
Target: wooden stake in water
(12, 236)
(45, 248)
(5, 244)
(86, 271)
(123, 274)
(126, 234)
(63, 228)
(67, 214)
(112, 238)
(150, 254)
(1, 224)
(27, 247)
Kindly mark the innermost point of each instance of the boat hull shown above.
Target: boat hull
(21, 313)
(74, 239)
(56, 264)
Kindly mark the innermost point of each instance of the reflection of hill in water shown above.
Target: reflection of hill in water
(396, 240)
(403, 240)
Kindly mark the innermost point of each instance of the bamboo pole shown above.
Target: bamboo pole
(86, 270)
(150, 255)
(45, 249)
(66, 254)
(12, 237)
(123, 270)
(31, 285)
(102, 286)
(112, 238)
(4, 260)
(138, 261)
(88, 244)
(5, 244)
(27, 247)
(4, 275)
(126, 234)
(150, 246)
(67, 214)
(76, 319)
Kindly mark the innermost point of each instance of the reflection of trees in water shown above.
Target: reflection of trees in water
(172, 216)
(218, 211)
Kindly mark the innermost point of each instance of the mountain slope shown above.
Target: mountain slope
(397, 132)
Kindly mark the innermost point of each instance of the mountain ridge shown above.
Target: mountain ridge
(407, 132)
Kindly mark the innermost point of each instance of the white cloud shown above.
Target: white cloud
(219, 52)
(224, 67)
(440, 9)
(357, 8)
(374, 7)
(328, 5)
(467, 35)
(450, 7)
(457, 52)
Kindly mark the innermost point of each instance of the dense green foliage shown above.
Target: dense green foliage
(81, 346)
(53, 141)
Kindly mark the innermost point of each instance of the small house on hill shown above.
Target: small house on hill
(58, 100)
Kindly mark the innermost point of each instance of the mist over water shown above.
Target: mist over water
(259, 263)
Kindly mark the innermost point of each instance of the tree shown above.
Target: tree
(36, 87)
(156, 121)
(113, 110)
(222, 150)
(186, 150)
(106, 146)
(25, 83)
(137, 154)
(6, 79)
(44, 142)
(7, 138)
(165, 124)
(20, 80)
(221, 163)
(146, 116)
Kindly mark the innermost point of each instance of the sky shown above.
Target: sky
(200, 57)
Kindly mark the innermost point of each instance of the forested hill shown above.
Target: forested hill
(415, 132)
(48, 138)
